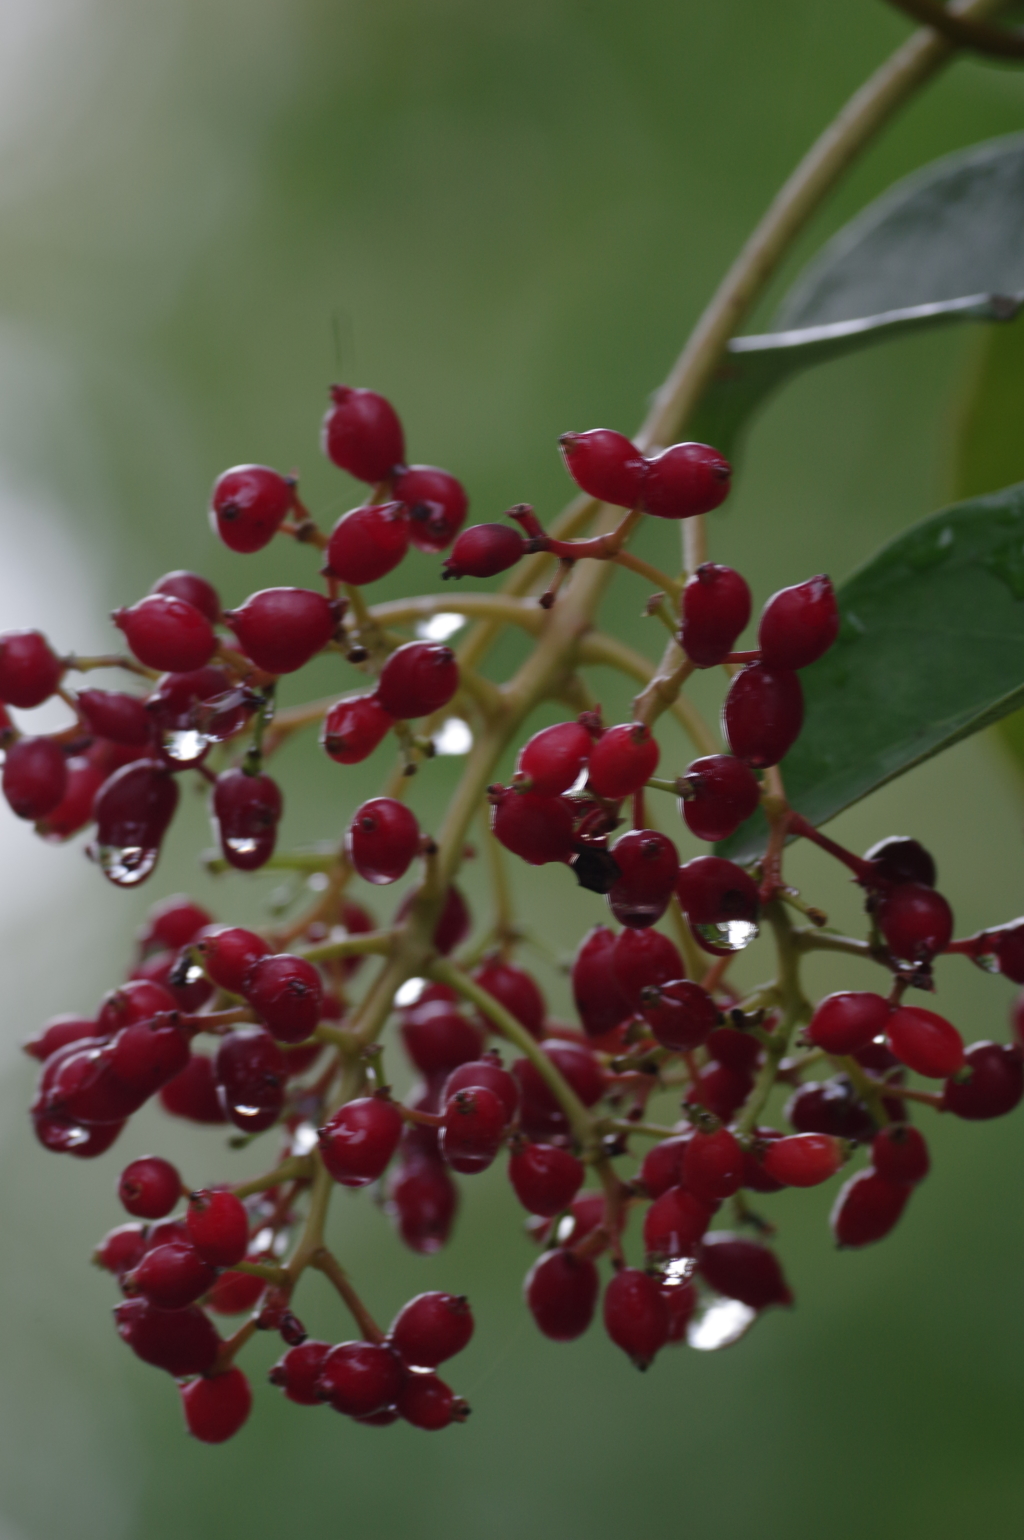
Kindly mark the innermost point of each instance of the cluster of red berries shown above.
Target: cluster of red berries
(295, 1046)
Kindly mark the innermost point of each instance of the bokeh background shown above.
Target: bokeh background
(505, 217)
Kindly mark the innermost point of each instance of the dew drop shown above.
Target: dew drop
(730, 935)
(126, 865)
(242, 847)
(184, 745)
(721, 1323)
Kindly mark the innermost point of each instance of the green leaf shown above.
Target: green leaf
(930, 650)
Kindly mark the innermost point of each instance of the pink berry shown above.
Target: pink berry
(844, 1022)
(248, 505)
(622, 760)
(74, 810)
(685, 480)
(282, 628)
(58, 1032)
(636, 1315)
(483, 551)
(763, 714)
(150, 1187)
(358, 1141)
(898, 858)
(121, 1249)
(925, 1042)
(132, 811)
(561, 1291)
(799, 624)
(368, 543)
(436, 502)
(287, 994)
(431, 1328)
(720, 901)
(362, 434)
(167, 633)
(418, 678)
(29, 669)
(353, 728)
(545, 1178)
(382, 839)
(715, 609)
(721, 793)
(605, 464)
(663, 1165)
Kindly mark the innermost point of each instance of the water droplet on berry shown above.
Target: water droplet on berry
(184, 745)
(721, 1323)
(988, 961)
(410, 992)
(440, 627)
(242, 847)
(729, 935)
(455, 737)
(126, 865)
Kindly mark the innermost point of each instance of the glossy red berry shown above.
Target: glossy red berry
(234, 1293)
(74, 810)
(763, 714)
(721, 793)
(30, 670)
(536, 828)
(743, 1270)
(423, 1202)
(715, 608)
(181, 1341)
(250, 1071)
(282, 628)
(663, 1165)
(641, 960)
(681, 1299)
(215, 1407)
(900, 1154)
(648, 863)
(431, 1328)
(1008, 950)
(830, 1107)
(799, 624)
(540, 1113)
(605, 464)
(362, 434)
(754, 1175)
(193, 589)
(146, 1054)
(368, 543)
(248, 505)
(113, 714)
(359, 1139)
(437, 505)
(135, 1000)
(150, 1187)
(167, 633)
(561, 1291)
(915, 920)
(867, 1208)
(353, 728)
(803, 1160)
(297, 1372)
(474, 1124)
(35, 777)
(228, 952)
(287, 994)
(483, 551)
(720, 902)
(246, 811)
(712, 1165)
(132, 811)
(121, 1249)
(845, 1022)
(996, 1083)
(685, 480)
(58, 1032)
(545, 1178)
(622, 760)
(192, 1093)
(418, 678)
(218, 1226)
(516, 990)
(382, 839)
(360, 1378)
(599, 1001)
(428, 1403)
(636, 1315)
(438, 1038)
(66, 1136)
(675, 1223)
(898, 858)
(484, 1072)
(925, 1041)
(680, 1013)
(554, 757)
(171, 1276)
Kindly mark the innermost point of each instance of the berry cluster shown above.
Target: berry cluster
(292, 1042)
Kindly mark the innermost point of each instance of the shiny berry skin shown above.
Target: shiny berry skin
(715, 608)
(681, 1300)
(915, 920)
(712, 1165)
(423, 1201)
(483, 551)
(540, 1114)
(722, 793)
(382, 839)
(171, 1276)
(58, 1032)
(474, 1124)
(675, 1223)
(743, 1270)
(516, 990)
(250, 1071)
(867, 1208)
(644, 959)
(685, 480)
(65, 1136)
(121, 1249)
(361, 433)
(353, 728)
(150, 1187)
(228, 952)
(359, 1139)
(437, 505)
(803, 1160)
(297, 1372)
(681, 1014)
(218, 1226)
(235, 1293)
(418, 678)
(554, 757)
(898, 858)
(192, 1093)
(754, 1175)
(181, 1341)
(215, 1407)
(925, 1042)
(35, 777)
(427, 1402)
(167, 633)
(545, 1178)
(431, 1328)
(438, 1038)
(847, 1021)
(74, 810)
(995, 1087)
(1008, 948)
(663, 1165)
(246, 811)
(561, 1291)
(194, 589)
(600, 1003)
(484, 1072)
(636, 1315)
(648, 862)
(830, 1107)
(115, 715)
(287, 994)
(622, 760)
(29, 669)
(248, 504)
(280, 629)
(900, 1154)
(132, 811)
(605, 464)
(713, 892)
(763, 714)
(536, 828)
(799, 624)
(360, 1378)
(136, 1000)
(368, 543)
(146, 1054)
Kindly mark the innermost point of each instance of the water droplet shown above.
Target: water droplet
(988, 962)
(440, 627)
(242, 847)
(184, 745)
(410, 991)
(262, 1240)
(454, 737)
(721, 1323)
(126, 865)
(730, 935)
(245, 1111)
(304, 1139)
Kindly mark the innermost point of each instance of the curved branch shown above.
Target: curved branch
(978, 36)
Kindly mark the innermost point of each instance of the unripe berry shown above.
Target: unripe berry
(622, 760)
(763, 714)
(915, 920)
(418, 678)
(803, 1160)
(287, 994)
(218, 1227)
(368, 543)
(483, 551)
(898, 858)
(867, 1208)
(431, 1328)
(847, 1021)
(600, 1003)
(362, 434)
(720, 902)
(437, 505)
(194, 589)
(516, 990)
(685, 480)
(675, 1223)
(474, 1124)
(799, 624)
(228, 952)
(360, 1378)
(183, 1342)
(605, 464)
(900, 1154)
(382, 839)
(722, 793)
(280, 629)
(353, 728)
(995, 1087)
(35, 777)
(29, 669)
(561, 1291)
(715, 608)
(359, 1139)
(536, 828)
(648, 863)
(246, 811)
(554, 757)
(681, 1014)
(545, 1178)
(166, 633)
(644, 959)
(298, 1371)
(744, 1270)
(712, 1165)
(636, 1315)
(925, 1042)
(248, 505)
(150, 1187)
(171, 1276)
(113, 714)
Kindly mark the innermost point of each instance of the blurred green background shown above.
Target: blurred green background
(505, 218)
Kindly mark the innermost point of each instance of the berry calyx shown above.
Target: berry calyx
(715, 608)
(799, 624)
(382, 840)
(361, 433)
(248, 505)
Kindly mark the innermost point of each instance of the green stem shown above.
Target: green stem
(796, 1008)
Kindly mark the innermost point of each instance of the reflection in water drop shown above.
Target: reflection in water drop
(440, 627)
(126, 865)
(247, 1112)
(989, 962)
(454, 737)
(242, 847)
(720, 1324)
(184, 745)
(410, 991)
(730, 935)
(304, 1139)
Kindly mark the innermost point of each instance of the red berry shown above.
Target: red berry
(737, 1049)
(830, 1107)
(474, 1125)
(599, 1000)
(121, 1249)
(171, 1276)
(248, 505)
(622, 760)
(29, 670)
(353, 728)
(899, 1154)
(715, 609)
(754, 1175)
(721, 793)
(132, 811)
(287, 994)
(847, 1021)
(901, 859)
(915, 920)
(799, 624)
(663, 1165)
(545, 1178)
(360, 1378)
(65, 1136)
(234, 1293)
(418, 678)
(722, 1089)
(113, 714)
(483, 551)
(803, 1160)
(744, 1270)
(58, 1032)
(359, 1139)
(136, 1000)
(605, 464)
(536, 828)
(712, 1165)
(194, 589)
(681, 1299)
(368, 543)
(150, 1187)
(516, 990)
(35, 777)
(146, 1054)
(218, 1227)
(437, 505)
(720, 901)
(74, 810)
(541, 1115)
(636, 1315)
(167, 633)
(484, 1072)
(763, 714)
(554, 757)
(995, 1087)
(192, 1093)
(867, 1208)
(685, 480)
(648, 863)
(561, 1291)
(925, 1041)
(298, 1371)
(641, 960)
(438, 1038)
(172, 924)
(246, 812)
(362, 434)
(674, 1224)
(427, 1402)
(228, 952)
(431, 1328)
(681, 1014)
(382, 839)
(250, 1071)
(453, 926)
(423, 1202)
(216, 1407)
(181, 1341)
(282, 628)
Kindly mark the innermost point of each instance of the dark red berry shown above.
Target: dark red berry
(743, 1270)
(867, 1208)
(622, 760)
(483, 551)
(150, 1187)
(438, 1038)
(763, 714)
(803, 1160)
(427, 1402)
(167, 633)
(181, 1341)
(536, 828)
(382, 839)
(648, 863)
(368, 543)
(663, 1165)
(172, 924)
(250, 1071)
(737, 1049)
(58, 1032)
(35, 777)
(674, 1224)
(799, 624)
(113, 714)
(431, 1328)
(359, 1139)
(298, 1371)
(915, 920)
(132, 811)
(29, 669)
(554, 757)
(681, 1299)
(218, 1226)
(712, 1165)
(423, 1201)
(685, 480)
(561, 1291)
(418, 678)
(437, 505)
(235, 1293)
(286, 992)
(192, 1093)
(516, 990)
(586, 1212)
(246, 812)
(898, 858)
(925, 1041)
(995, 1087)
(454, 925)
(599, 1000)
(353, 728)
(136, 1000)
(541, 1114)
(228, 952)
(484, 1072)
(121, 1249)
(720, 902)
(848, 1021)
(146, 1054)
(1008, 950)
(900, 1154)
(248, 505)
(754, 1175)
(280, 629)
(194, 589)
(636, 1315)
(545, 1178)
(74, 810)
(715, 609)
(605, 464)
(216, 1407)
(65, 1136)
(830, 1107)
(362, 434)
(171, 1276)
(721, 793)
(681, 1014)
(360, 1378)
(474, 1124)
(641, 960)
